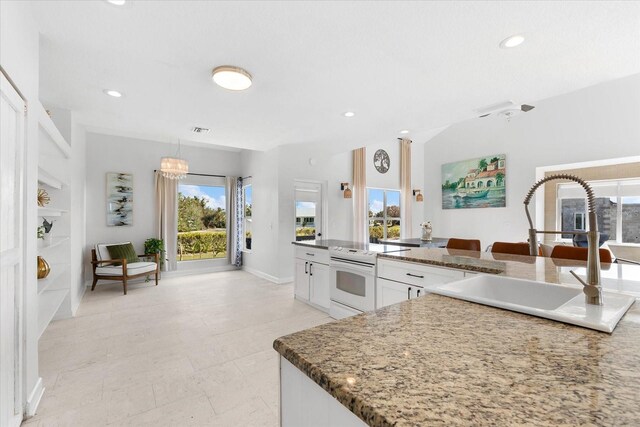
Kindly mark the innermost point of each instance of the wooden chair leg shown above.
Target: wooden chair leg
(157, 277)
(124, 284)
(95, 281)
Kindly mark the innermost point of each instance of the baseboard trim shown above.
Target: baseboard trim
(34, 399)
(263, 275)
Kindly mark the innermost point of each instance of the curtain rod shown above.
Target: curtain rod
(201, 174)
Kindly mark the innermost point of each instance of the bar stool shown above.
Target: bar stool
(468, 245)
(572, 252)
(510, 248)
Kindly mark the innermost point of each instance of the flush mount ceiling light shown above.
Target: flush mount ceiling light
(232, 78)
(113, 93)
(404, 132)
(349, 114)
(117, 2)
(512, 41)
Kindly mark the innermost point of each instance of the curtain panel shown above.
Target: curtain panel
(360, 211)
(235, 216)
(406, 191)
(167, 218)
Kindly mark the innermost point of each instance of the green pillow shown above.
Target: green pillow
(123, 251)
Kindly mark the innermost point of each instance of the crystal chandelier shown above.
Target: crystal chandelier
(174, 167)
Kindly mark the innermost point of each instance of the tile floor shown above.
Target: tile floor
(195, 350)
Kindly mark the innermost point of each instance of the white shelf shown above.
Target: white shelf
(56, 241)
(50, 128)
(47, 178)
(48, 304)
(51, 212)
(51, 282)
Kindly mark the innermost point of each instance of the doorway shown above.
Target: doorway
(308, 202)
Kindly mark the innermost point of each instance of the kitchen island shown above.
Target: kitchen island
(437, 360)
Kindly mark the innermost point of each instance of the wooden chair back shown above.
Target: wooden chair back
(581, 254)
(465, 244)
(510, 248)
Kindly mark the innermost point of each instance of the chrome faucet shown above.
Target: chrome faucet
(592, 288)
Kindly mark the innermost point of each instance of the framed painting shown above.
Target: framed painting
(119, 199)
(475, 183)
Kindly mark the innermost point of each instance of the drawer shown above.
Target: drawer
(419, 275)
(321, 256)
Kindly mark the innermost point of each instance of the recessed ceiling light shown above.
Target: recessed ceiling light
(349, 114)
(232, 78)
(404, 132)
(117, 2)
(113, 93)
(512, 41)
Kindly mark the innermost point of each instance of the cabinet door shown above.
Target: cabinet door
(301, 280)
(392, 292)
(319, 282)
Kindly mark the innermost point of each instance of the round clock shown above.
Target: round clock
(381, 161)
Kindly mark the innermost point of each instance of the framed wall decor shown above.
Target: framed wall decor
(475, 183)
(119, 199)
(381, 161)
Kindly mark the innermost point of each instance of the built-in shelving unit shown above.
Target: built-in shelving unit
(54, 154)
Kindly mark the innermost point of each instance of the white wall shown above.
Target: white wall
(599, 122)
(108, 153)
(19, 57)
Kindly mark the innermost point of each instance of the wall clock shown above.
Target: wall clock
(381, 161)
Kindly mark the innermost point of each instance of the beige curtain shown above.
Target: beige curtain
(235, 215)
(360, 195)
(406, 192)
(167, 218)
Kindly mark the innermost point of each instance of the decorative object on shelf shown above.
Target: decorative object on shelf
(48, 235)
(427, 231)
(381, 161)
(41, 232)
(119, 199)
(155, 246)
(418, 195)
(174, 167)
(43, 197)
(344, 186)
(475, 183)
(43, 268)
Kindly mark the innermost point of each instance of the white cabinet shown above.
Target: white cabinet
(319, 284)
(312, 278)
(390, 292)
(301, 281)
(399, 281)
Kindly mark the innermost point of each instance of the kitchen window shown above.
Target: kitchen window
(384, 214)
(617, 205)
(247, 197)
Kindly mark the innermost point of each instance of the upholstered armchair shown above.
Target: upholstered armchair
(106, 267)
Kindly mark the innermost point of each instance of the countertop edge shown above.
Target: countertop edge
(351, 402)
(472, 268)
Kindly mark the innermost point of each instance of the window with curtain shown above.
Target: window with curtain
(383, 214)
(617, 207)
(247, 192)
(202, 218)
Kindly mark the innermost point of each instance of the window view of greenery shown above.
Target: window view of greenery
(202, 222)
(384, 214)
(248, 203)
(305, 221)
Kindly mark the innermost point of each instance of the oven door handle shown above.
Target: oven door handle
(338, 261)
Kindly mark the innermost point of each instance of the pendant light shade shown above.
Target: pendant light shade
(174, 167)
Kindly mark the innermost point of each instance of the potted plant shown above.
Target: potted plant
(155, 246)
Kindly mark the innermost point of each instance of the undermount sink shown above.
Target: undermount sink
(556, 302)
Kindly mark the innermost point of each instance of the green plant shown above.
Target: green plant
(155, 246)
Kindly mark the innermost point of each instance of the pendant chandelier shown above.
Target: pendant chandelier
(174, 167)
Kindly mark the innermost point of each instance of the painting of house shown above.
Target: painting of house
(475, 183)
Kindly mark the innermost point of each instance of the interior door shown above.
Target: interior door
(12, 112)
(308, 205)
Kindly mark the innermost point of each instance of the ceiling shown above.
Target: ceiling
(397, 65)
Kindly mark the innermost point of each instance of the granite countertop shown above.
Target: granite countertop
(437, 360)
(615, 277)
(436, 242)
